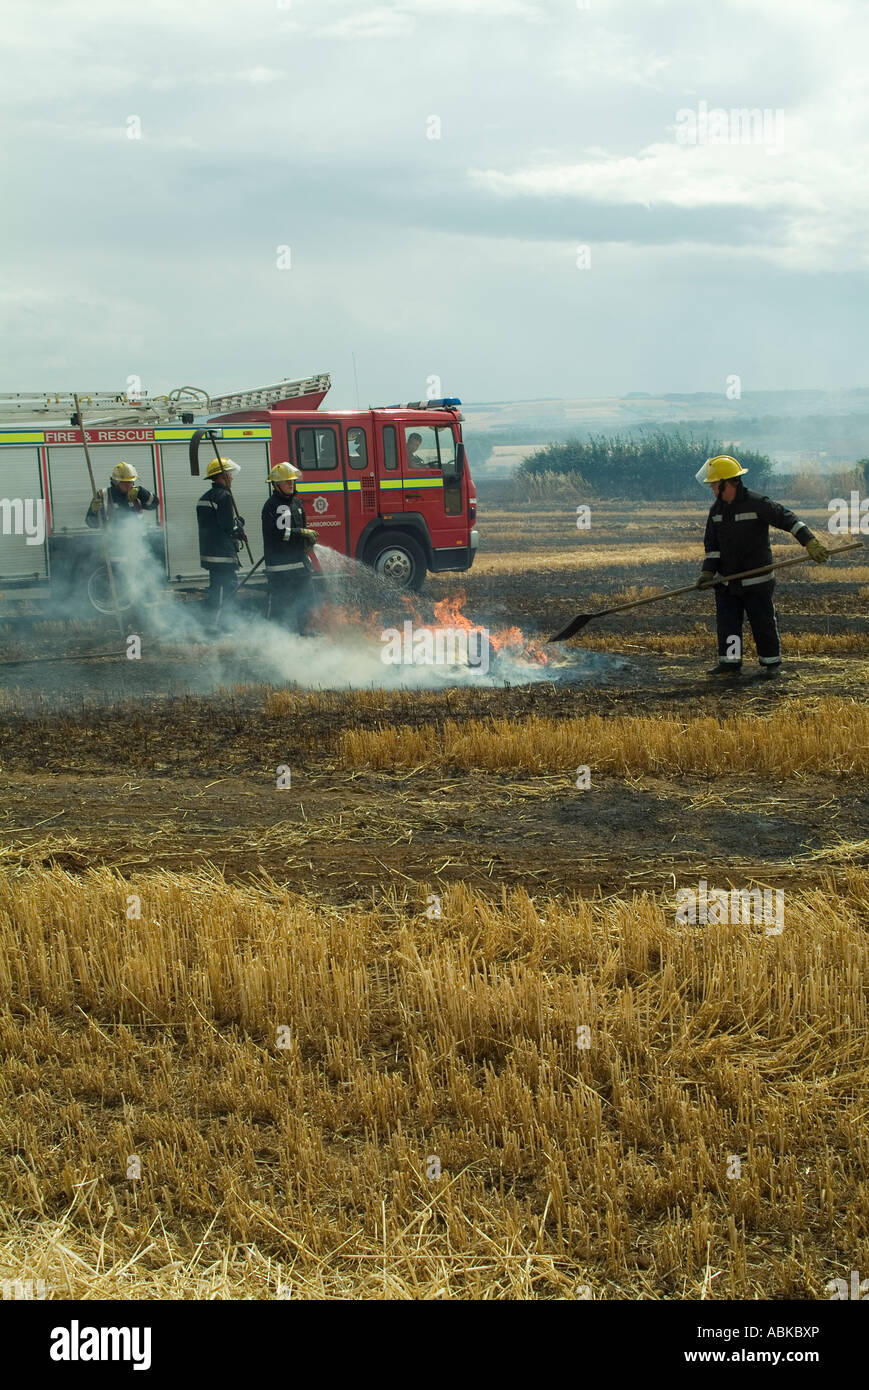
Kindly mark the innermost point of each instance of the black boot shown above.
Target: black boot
(730, 669)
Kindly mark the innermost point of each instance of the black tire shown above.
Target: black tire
(397, 556)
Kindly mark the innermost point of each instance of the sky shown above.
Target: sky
(494, 199)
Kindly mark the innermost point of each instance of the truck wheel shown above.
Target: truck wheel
(99, 590)
(397, 556)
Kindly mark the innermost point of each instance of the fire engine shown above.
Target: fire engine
(387, 486)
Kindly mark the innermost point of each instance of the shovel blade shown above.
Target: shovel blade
(193, 452)
(575, 625)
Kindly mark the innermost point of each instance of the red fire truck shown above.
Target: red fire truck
(389, 487)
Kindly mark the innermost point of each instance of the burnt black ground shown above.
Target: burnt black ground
(108, 761)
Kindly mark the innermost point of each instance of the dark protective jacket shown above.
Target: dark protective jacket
(219, 528)
(283, 519)
(737, 535)
(116, 505)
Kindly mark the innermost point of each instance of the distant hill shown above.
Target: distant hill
(797, 429)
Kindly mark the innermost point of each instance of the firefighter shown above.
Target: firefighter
(123, 498)
(221, 534)
(413, 443)
(737, 538)
(286, 541)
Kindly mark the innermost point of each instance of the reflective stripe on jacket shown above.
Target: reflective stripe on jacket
(215, 517)
(283, 518)
(116, 505)
(737, 534)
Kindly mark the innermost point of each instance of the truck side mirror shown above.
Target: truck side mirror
(460, 460)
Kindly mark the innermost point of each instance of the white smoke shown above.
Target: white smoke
(344, 656)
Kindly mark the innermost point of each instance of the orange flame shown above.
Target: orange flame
(448, 613)
(332, 617)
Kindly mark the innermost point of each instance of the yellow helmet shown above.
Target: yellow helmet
(717, 469)
(124, 473)
(221, 466)
(285, 473)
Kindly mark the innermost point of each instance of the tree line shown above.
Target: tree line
(658, 464)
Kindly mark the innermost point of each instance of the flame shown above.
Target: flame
(331, 617)
(511, 640)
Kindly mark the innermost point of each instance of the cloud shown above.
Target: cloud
(381, 22)
(254, 77)
(400, 19)
(306, 124)
(810, 191)
(657, 175)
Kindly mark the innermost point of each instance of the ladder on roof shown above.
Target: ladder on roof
(121, 408)
(261, 397)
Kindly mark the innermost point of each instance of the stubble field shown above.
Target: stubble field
(424, 1023)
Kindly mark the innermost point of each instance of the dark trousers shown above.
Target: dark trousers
(754, 603)
(289, 598)
(222, 584)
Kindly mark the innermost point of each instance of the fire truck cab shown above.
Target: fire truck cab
(388, 486)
